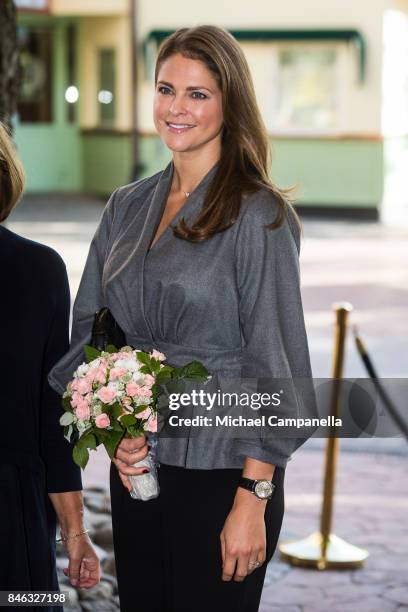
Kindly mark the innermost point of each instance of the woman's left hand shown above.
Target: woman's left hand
(243, 538)
(84, 569)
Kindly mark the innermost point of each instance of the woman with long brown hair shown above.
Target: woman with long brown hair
(39, 481)
(200, 261)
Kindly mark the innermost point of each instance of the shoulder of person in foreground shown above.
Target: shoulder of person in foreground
(36, 259)
(259, 210)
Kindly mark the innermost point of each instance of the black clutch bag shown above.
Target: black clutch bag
(106, 331)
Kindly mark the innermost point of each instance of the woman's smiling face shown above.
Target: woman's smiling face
(187, 108)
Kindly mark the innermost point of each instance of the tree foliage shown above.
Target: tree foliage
(9, 61)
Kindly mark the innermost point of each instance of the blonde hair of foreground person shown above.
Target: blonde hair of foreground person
(11, 174)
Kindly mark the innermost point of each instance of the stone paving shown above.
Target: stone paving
(366, 264)
(370, 510)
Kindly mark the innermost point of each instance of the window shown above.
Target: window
(35, 100)
(306, 92)
(106, 91)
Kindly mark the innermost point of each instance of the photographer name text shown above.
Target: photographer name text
(260, 421)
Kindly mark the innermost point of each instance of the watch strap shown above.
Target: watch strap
(249, 485)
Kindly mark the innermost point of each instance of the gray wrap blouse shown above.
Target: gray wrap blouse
(232, 302)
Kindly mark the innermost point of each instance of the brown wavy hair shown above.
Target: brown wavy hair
(245, 151)
(11, 174)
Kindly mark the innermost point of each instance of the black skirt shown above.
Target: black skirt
(168, 553)
(27, 533)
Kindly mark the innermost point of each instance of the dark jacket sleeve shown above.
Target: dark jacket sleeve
(275, 346)
(62, 474)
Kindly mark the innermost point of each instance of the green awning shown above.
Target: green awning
(353, 36)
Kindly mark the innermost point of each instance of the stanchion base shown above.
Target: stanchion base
(307, 553)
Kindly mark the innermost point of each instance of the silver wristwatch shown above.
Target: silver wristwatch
(263, 489)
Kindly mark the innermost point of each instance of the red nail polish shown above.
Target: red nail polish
(145, 471)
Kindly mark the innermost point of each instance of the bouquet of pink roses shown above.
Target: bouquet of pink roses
(115, 394)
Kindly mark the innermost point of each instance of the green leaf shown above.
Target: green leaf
(91, 353)
(67, 418)
(111, 348)
(112, 442)
(164, 373)
(155, 365)
(87, 440)
(80, 455)
(139, 409)
(144, 358)
(135, 430)
(128, 420)
(66, 404)
(101, 435)
(194, 369)
(145, 369)
(116, 410)
(116, 425)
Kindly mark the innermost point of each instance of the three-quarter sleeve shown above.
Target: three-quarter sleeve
(88, 301)
(274, 341)
(60, 470)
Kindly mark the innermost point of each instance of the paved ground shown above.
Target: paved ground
(367, 265)
(371, 509)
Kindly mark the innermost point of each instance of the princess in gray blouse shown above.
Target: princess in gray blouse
(200, 261)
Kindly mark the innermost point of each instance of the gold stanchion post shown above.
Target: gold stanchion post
(323, 549)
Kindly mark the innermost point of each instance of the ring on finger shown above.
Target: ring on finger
(253, 564)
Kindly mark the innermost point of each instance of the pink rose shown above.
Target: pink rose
(97, 374)
(91, 374)
(89, 377)
(72, 386)
(144, 415)
(157, 355)
(151, 425)
(83, 386)
(107, 395)
(100, 375)
(76, 397)
(145, 392)
(132, 388)
(82, 410)
(116, 373)
(149, 380)
(102, 420)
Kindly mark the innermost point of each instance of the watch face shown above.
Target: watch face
(263, 489)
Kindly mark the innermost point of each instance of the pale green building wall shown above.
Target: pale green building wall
(107, 161)
(52, 152)
(331, 172)
(326, 172)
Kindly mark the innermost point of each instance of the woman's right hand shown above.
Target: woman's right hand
(130, 451)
